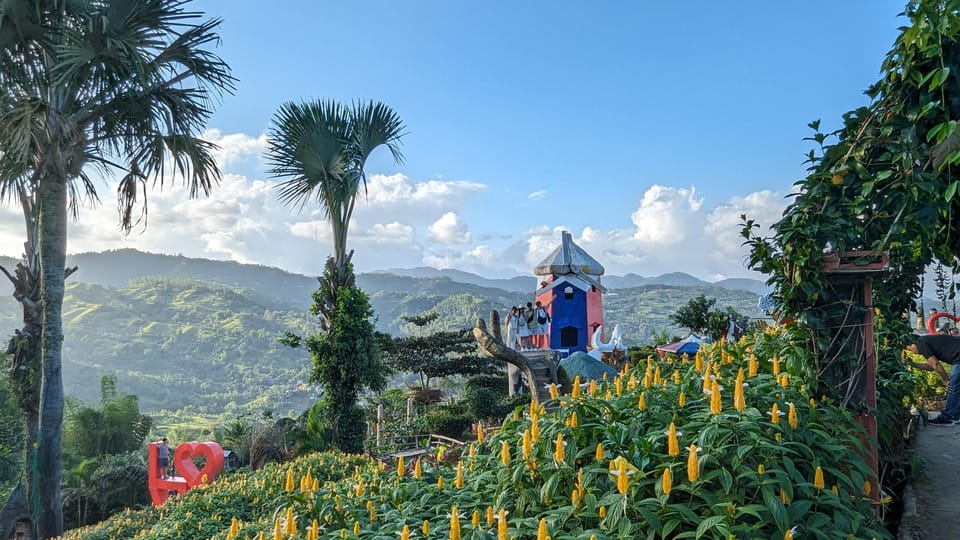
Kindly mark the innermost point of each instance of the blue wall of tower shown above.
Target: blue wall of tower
(568, 325)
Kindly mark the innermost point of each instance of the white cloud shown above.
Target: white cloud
(661, 217)
(537, 195)
(449, 229)
(235, 147)
(403, 222)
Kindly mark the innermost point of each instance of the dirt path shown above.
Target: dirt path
(936, 489)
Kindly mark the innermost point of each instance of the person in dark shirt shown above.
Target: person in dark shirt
(936, 349)
(163, 456)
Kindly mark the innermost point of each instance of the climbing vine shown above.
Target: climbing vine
(885, 182)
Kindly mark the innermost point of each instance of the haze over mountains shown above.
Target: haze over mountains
(200, 336)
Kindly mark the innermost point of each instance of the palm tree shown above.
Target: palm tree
(320, 149)
(108, 85)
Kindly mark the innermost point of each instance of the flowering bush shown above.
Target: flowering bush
(725, 445)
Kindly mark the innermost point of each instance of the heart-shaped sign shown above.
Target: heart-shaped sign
(932, 321)
(183, 458)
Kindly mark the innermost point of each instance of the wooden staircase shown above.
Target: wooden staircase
(543, 364)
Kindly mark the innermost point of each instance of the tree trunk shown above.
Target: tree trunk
(52, 200)
(14, 510)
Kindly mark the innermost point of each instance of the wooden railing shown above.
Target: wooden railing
(410, 445)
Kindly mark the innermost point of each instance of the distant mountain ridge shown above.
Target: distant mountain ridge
(116, 268)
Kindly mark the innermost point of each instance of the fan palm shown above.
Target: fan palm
(108, 85)
(320, 149)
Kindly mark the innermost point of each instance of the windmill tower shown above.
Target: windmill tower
(570, 288)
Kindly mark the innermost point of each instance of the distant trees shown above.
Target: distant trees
(439, 355)
(697, 316)
(114, 428)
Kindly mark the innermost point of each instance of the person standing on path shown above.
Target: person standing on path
(513, 324)
(936, 349)
(543, 326)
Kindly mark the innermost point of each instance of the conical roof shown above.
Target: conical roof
(569, 258)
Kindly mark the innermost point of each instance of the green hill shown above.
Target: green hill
(203, 339)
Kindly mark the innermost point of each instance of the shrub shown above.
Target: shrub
(449, 421)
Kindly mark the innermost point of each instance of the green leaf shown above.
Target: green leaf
(939, 76)
(951, 191)
(708, 524)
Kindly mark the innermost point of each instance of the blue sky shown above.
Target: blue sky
(644, 128)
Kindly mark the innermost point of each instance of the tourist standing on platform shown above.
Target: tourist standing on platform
(543, 327)
(513, 323)
(532, 325)
(163, 458)
(523, 331)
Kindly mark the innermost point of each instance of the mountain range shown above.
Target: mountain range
(199, 336)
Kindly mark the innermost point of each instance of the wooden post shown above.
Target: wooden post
(379, 423)
(409, 409)
(856, 267)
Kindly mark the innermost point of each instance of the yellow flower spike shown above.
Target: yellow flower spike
(574, 421)
(417, 469)
(752, 365)
(667, 481)
(676, 376)
(618, 385)
(475, 520)
(593, 386)
(761, 469)
(778, 437)
(490, 515)
(623, 476)
(502, 524)
(784, 498)
(642, 404)
(792, 418)
(789, 534)
(646, 379)
(359, 489)
(739, 403)
(575, 391)
(234, 529)
(454, 524)
(542, 530)
(784, 380)
(813, 403)
(776, 366)
(835, 489)
(458, 483)
(575, 497)
(558, 450)
(631, 383)
(818, 478)
(535, 429)
(693, 463)
(400, 467)
(607, 395)
(405, 533)
(656, 376)
(867, 488)
(598, 454)
(603, 512)
(425, 528)
(554, 394)
(673, 447)
(315, 527)
(480, 436)
(288, 487)
(682, 400)
(439, 482)
(277, 530)
(504, 453)
(707, 384)
(471, 451)
(525, 445)
(775, 414)
(698, 362)
(290, 526)
(715, 405)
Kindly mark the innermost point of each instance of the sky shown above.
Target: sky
(644, 128)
